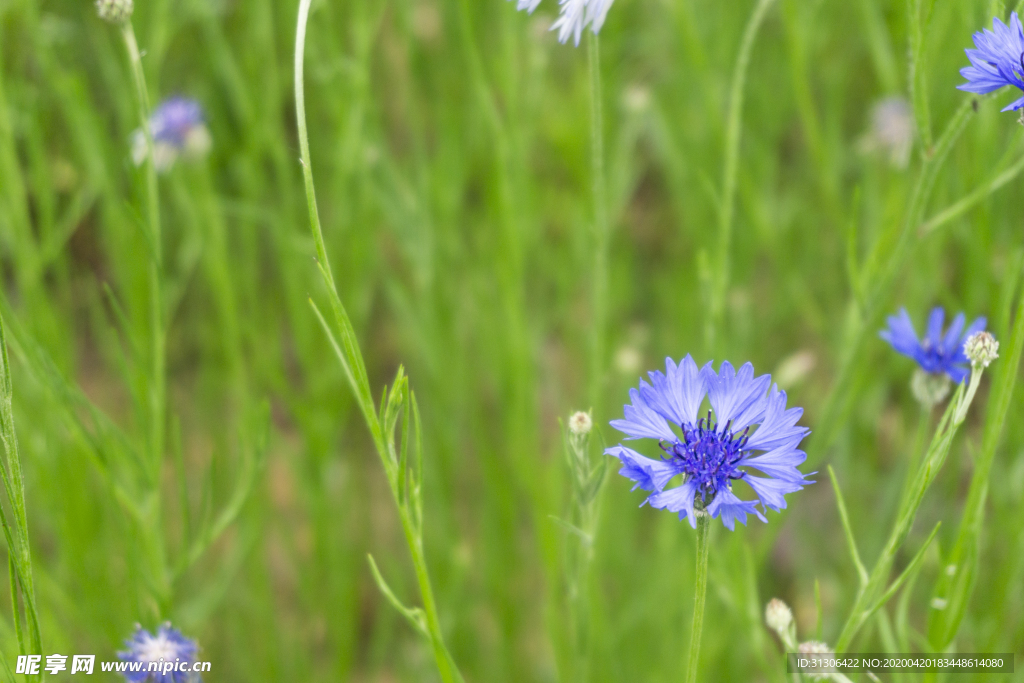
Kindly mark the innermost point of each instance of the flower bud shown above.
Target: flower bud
(981, 348)
(115, 11)
(814, 647)
(929, 388)
(778, 616)
(580, 423)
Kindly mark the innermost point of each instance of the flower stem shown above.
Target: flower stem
(699, 593)
(158, 337)
(599, 301)
(727, 209)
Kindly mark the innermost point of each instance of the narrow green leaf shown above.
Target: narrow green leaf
(851, 542)
(414, 615)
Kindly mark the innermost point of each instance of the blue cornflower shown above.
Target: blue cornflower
(167, 646)
(178, 127)
(574, 16)
(937, 353)
(997, 61)
(709, 452)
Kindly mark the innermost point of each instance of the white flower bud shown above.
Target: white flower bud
(981, 349)
(580, 423)
(115, 11)
(778, 616)
(929, 389)
(814, 647)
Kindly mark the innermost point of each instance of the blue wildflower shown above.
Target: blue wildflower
(574, 16)
(168, 646)
(709, 452)
(937, 353)
(178, 127)
(997, 61)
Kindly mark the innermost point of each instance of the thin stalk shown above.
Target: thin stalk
(973, 199)
(731, 170)
(923, 420)
(599, 301)
(445, 666)
(158, 339)
(352, 360)
(307, 168)
(699, 594)
(19, 551)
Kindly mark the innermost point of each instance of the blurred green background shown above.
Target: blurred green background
(451, 145)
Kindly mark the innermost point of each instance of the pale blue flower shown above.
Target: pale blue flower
(166, 645)
(751, 429)
(574, 16)
(997, 61)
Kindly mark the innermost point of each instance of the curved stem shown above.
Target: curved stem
(599, 301)
(731, 170)
(352, 360)
(700, 592)
(300, 115)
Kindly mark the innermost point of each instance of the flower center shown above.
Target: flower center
(709, 455)
(934, 360)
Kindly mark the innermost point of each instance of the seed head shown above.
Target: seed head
(981, 349)
(580, 423)
(778, 616)
(115, 11)
(929, 388)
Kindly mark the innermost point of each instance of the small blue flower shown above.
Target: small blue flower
(711, 452)
(997, 61)
(173, 119)
(168, 645)
(178, 127)
(937, 353)
(574, 16)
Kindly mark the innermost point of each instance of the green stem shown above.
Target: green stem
(307, 167)
(158, 339)
(923, 420)
(19, 551)
(731, 170)
(601, 227)
(700, 592)
(445, 666)
(352, 360)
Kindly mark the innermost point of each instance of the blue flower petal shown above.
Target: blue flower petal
(642, 421)
(649, 475)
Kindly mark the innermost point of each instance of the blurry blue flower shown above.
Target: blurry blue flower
(997, 61)
(711, 452)
(937, 353)
(574, 16)
(168, 645)
(178, 128)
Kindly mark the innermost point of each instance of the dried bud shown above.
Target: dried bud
(929, 388)
(778, 616)
(115, 11)
(981, 349)
(580, 423)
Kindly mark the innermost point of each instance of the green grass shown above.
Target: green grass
(192, 449)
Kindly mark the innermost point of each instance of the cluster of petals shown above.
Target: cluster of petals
(997, 60)
(574, 16)
(752, 430)
(168, 644)
(938, 352)
(178, 128)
